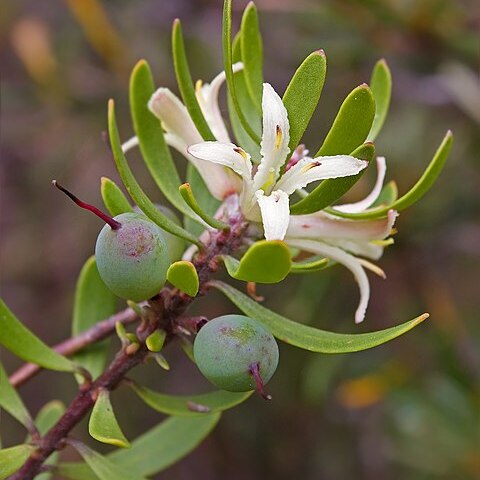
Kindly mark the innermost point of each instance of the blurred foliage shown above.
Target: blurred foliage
(409, 409)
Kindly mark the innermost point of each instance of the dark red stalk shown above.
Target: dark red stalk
(106, 218)
(255, 373)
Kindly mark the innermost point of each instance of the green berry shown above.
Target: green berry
(236, 353)
(175, 245)
(132, 259)
(131, 252)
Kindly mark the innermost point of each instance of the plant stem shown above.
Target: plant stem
(73, 345)
(169, 306)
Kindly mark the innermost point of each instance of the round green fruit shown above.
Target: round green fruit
(175, 245)
(132, 259)
(236, 353)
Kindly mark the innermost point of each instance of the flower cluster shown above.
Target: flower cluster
(264, 189)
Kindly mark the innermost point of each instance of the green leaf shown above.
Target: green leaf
(103, 467)
(252, 53)
(422, 186)
(185, 82)
(266, 261)
(309, 338)
(190, 405)
(227, 61)
(155, 450)
(93, 302)
(303, 93)
(247, 106)
(14, 336)
(183, 275)
(113, 198)
(11, 402)
(207, 202)
(12, 459)
(155, 340)
(330, 190)
(188, 197)
(381, 86)
(311, 265)
(149, 131)
(134, 189)
(387, 196)
(352, 123)
(46, 418)
(103, 425)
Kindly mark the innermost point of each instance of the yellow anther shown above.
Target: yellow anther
(309, 166)
(383, 243)
(241, 151)
(198, 85)
(278, 140)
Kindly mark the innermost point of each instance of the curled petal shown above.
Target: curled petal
(372, 196)
(349, 261)
(226, 154)
(310, 170)
(129, 144)
(275, 212)
(207, 96)
(174, 116)
(320, 225)
(275, 138)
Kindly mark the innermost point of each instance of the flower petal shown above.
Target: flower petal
(362, 205)
(226, 154)
(310, 170)
(129, 144)
(275, 138)
(174, 116)
(349, 261)
(207, 96)
(320, 225)
(275, 212)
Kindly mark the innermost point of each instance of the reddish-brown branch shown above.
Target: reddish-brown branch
(169, 306)
(73, 345)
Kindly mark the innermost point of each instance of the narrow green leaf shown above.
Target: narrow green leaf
(103, 425)
(134, 189)
(387, 196)
(252, 53)
(227, 61)
(381, 86)
(303, 93)
(352, 123)
(113, 198)
(188, 197)
(183, 275)
(103, 467)
(266, 261)
(14, 336)
(149, 131)
(46, 418)
(190, 405)
(207, 202)
(93, 302)
(185, 82)
(330, 190)
(422, 186)
(11, 459)
(309, 338)
(254, 119)
(311, 265)
(11, 402)
(155, 450)
(155, 340)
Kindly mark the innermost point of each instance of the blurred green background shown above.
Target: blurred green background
(409, 409)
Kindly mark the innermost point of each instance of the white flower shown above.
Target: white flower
(264, 194)
(180, 131)
(342, 239)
